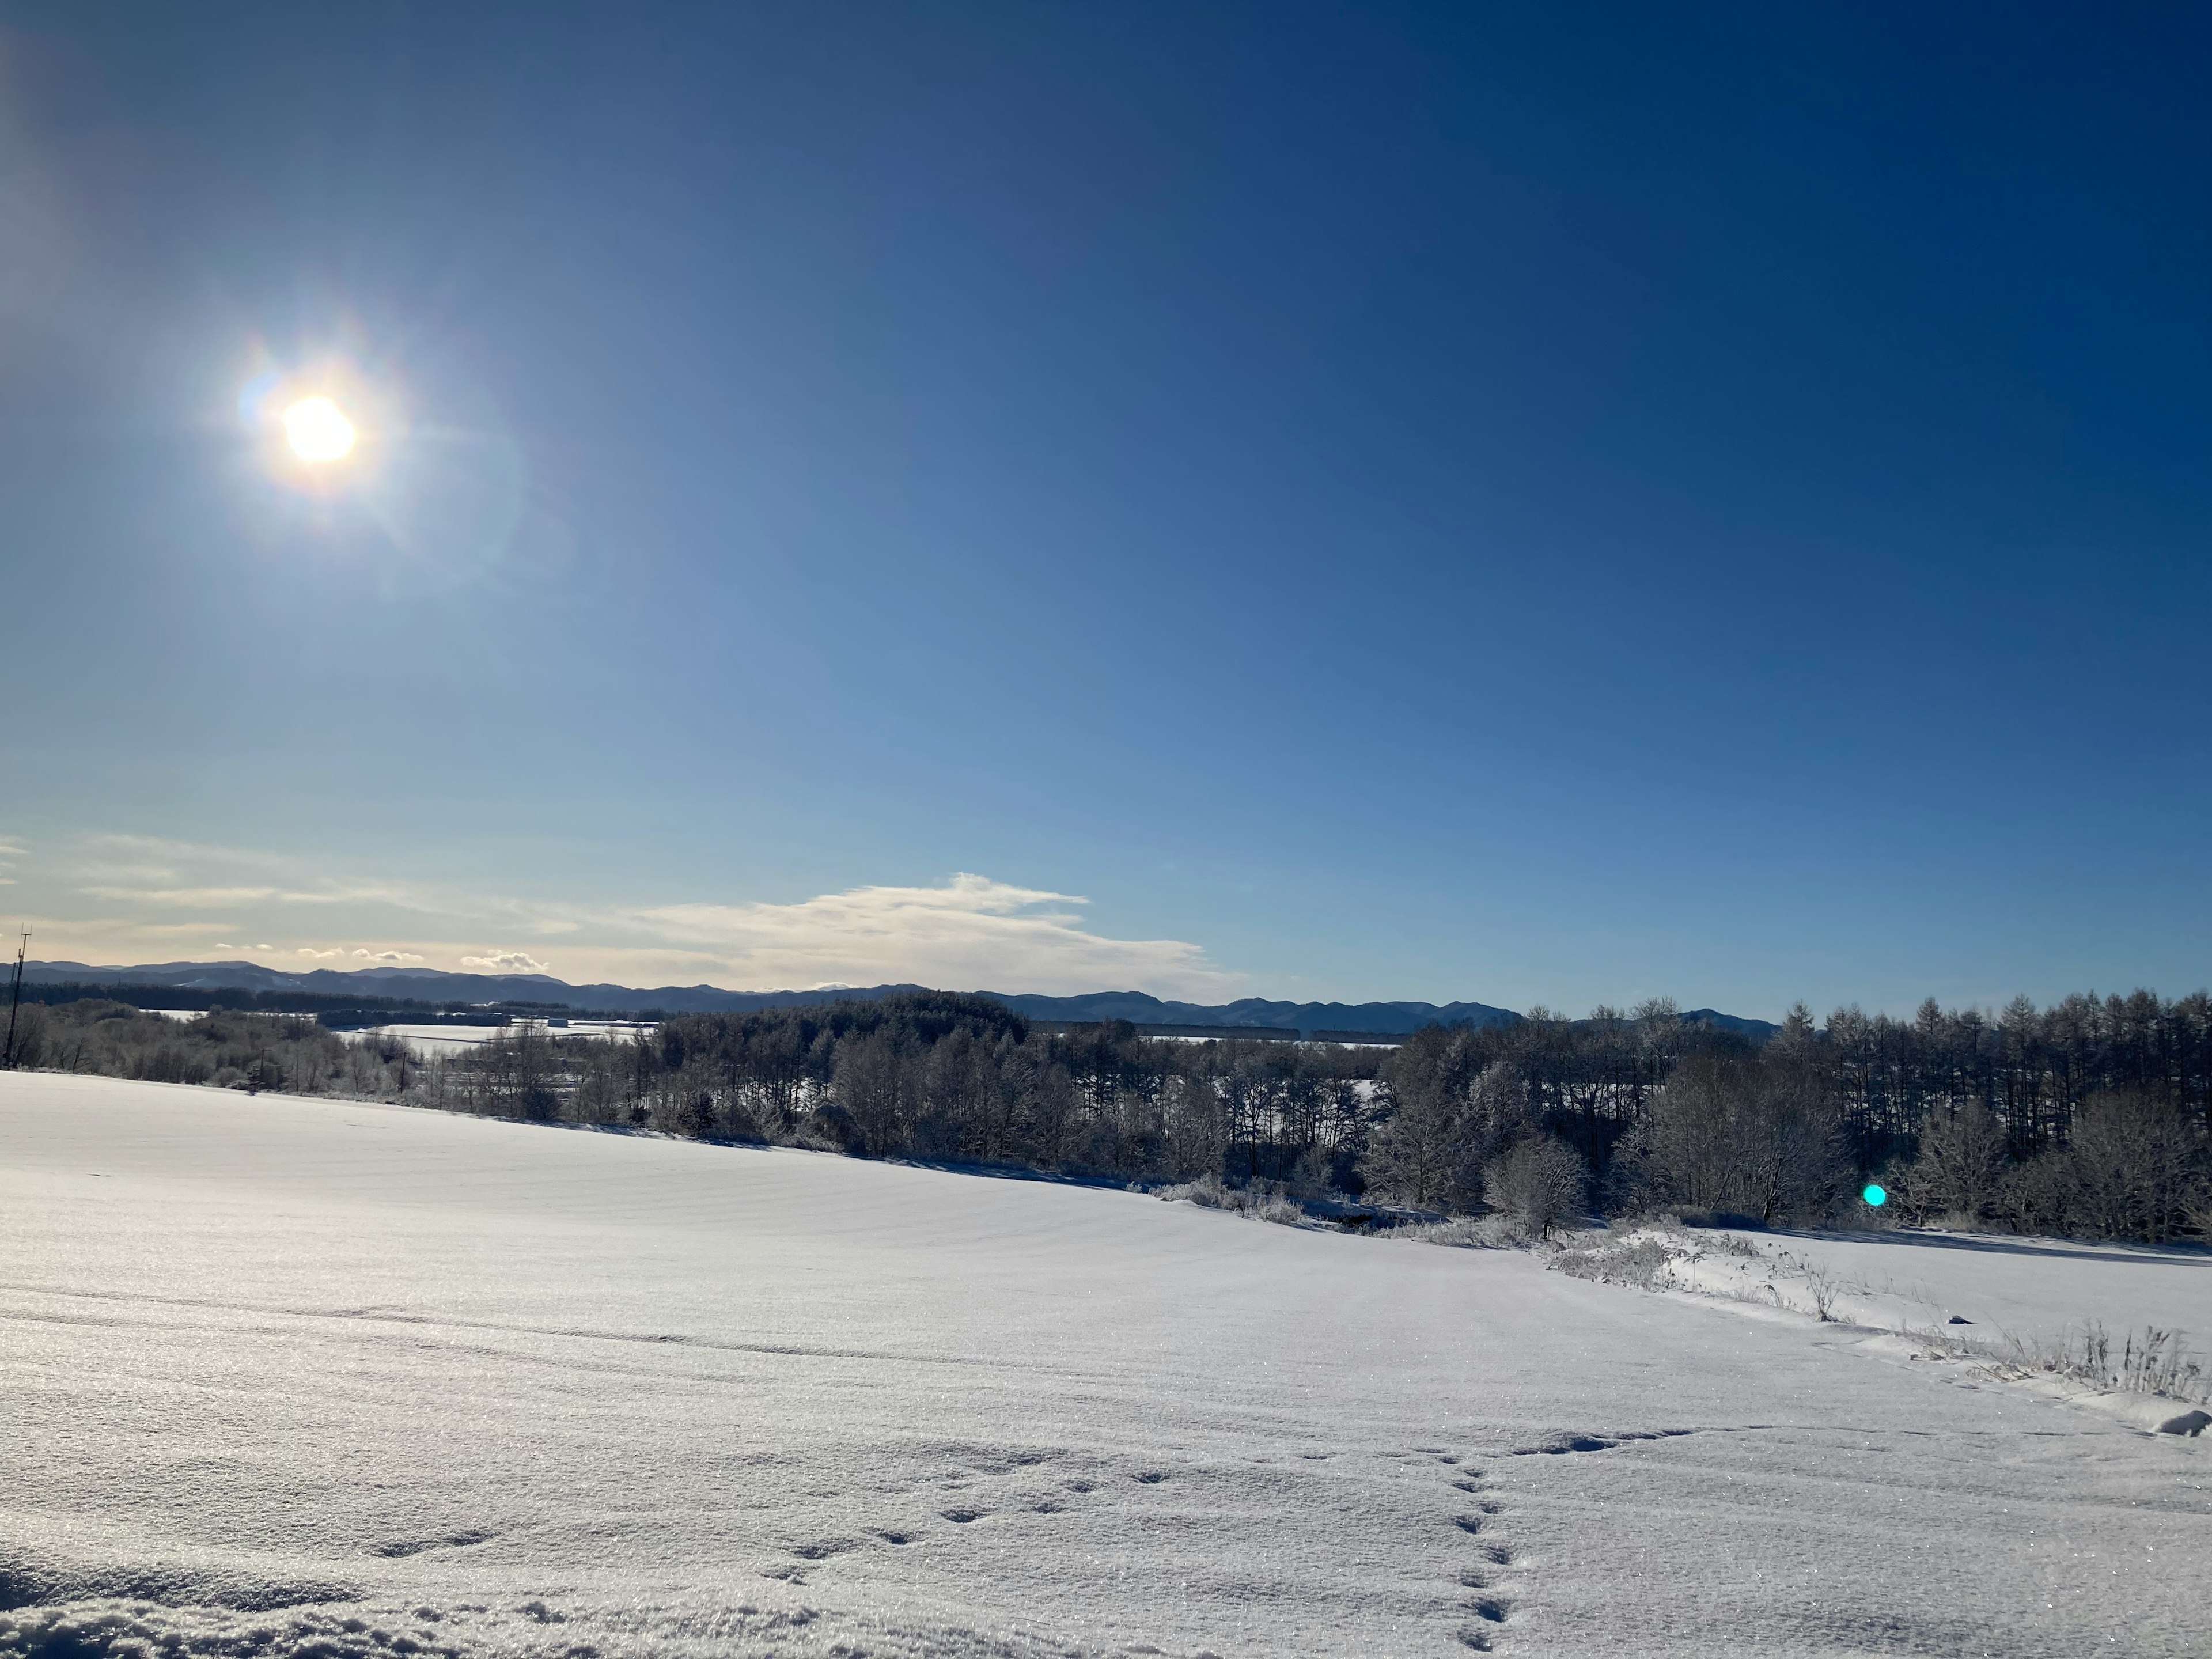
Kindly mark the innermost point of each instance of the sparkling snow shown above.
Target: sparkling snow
(286, 1377)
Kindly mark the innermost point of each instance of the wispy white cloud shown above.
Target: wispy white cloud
(170, 844)
(972, 932)
(12, 848)
(969, 932)
(145, 869)
(178, 852)
(129, 875)
(182, 898)
(508, 961)
(398, 896)
(216, 897)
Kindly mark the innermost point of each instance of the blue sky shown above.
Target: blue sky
(1546, 504)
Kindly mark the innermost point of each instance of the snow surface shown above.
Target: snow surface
(2029, 1288)
(283, 1375)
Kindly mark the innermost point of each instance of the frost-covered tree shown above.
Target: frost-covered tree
(1961, 1167)
(1540, 1182)
(876, 1090)
(2138, 1167)
(1734, 1133)
(1418, 1153)
(1414, 1156)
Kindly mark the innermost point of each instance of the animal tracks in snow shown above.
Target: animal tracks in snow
(951, 1489)
(1489, 1610)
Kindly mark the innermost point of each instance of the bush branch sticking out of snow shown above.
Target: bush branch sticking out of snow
(1487, 1232)
(2156, 1362)
(1261, 1203)
(1819, 1283)
(1645, 1257)
(1822, 1283)
(1642, 1260)
(1279, 1202)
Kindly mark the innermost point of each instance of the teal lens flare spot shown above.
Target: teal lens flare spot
(1874, 1196)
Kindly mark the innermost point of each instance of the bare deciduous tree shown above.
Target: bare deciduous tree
(1540, 1182)
(1961, 1166)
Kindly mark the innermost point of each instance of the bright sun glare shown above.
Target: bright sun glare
(317, 430)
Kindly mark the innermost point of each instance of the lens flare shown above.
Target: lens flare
(334, 451)
(318, 431)
(1875, 1195)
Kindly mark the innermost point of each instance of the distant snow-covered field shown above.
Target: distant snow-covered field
(455, 1039)
(286, 1376)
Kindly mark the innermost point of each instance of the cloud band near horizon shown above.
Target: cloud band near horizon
(969, 932)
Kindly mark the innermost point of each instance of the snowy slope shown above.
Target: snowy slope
(2027, 1288)
(363, 1379)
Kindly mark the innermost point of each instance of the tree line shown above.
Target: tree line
(224, 1047)
(2092, 1117)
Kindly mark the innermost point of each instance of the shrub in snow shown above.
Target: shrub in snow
(1540, 1183)
(830, 1129)
(1644, 1261)
(1262, 1201)
(1206, 1191)
(1488, 1232)
(2157, 1361)
(1313, 1174)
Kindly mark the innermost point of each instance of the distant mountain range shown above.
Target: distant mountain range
(434, 985)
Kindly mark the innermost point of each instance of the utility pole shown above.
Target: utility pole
(15, 1000)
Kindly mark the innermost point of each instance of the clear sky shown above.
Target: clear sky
(1540, 503)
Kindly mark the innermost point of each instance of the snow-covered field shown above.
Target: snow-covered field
(453, 1039)
(286, 1376)
(2000, 1287)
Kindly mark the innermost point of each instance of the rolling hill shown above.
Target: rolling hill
(435, 985)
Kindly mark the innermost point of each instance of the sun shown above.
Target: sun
(318, 431)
